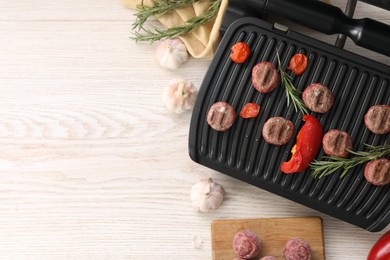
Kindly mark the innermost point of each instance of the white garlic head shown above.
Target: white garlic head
(171, 53)
(180, 96)
(207, 195)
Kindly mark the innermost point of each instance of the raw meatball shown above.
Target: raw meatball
(278, 130)
(221, 116)
(318, 98)
(378, 172)
(377, 119)
(336, 142)
(297, 249)
(265, 77)
(246, 244)
(268, 258)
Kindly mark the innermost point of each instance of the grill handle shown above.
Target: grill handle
(327, 19)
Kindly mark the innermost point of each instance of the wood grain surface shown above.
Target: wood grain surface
(92, 165)
(273, 233)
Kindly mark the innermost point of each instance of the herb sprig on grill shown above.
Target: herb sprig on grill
(332, 164)
(292, 93)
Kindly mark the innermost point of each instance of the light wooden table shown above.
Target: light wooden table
(92, 165)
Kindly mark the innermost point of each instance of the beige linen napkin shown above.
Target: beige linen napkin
(201, 42)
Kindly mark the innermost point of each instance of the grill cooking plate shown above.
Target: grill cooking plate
(241, 152)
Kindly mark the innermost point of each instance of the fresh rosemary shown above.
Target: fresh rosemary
(159, 8)
(292, 93)
(157, 34)
(326, 167)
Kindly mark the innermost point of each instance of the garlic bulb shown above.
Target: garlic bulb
(171, 53)
(180, 96)
(207, 195)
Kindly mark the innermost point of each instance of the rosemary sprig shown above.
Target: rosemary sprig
(157, 34)
(159, 8)
(326, 167)
(292, 93)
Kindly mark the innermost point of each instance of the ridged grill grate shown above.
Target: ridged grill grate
(241, 152)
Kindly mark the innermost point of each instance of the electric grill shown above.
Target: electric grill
(356, 82)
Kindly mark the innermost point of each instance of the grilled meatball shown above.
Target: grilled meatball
(377, 119)
(246, 244)
(297, 249)
(278, 130)
(265, 77)
(318, 98)
(336, 142)
(378, 172)
(221, 116)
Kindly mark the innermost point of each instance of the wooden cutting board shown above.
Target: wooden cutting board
(274, 233)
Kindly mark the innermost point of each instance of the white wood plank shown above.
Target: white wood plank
(92, 165)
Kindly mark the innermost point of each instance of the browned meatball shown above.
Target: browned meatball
(246, 244)
(336, 142)
(377, 119)
(278, 130)
(378, 172)
(318, 98)
(265, 77)
(221, 116)
(297, 249)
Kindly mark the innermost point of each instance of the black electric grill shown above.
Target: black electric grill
(241, 152)
(385, 4)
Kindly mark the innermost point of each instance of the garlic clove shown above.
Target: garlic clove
(180, 96)
(171, 53)
(196, 241)
(207, 195)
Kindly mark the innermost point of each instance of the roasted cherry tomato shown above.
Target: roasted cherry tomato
(250, 110)
(298, 64)
(240, 52)
(381, 249)
(308, 143)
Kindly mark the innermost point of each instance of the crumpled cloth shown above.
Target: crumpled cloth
(201, 42)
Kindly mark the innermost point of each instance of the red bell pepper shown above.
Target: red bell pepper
(381, 249)
(308, 143)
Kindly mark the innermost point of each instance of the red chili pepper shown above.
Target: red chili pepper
(298, 64)
(240, 53)
(381, 249)
(308, 143)
(250, 110)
